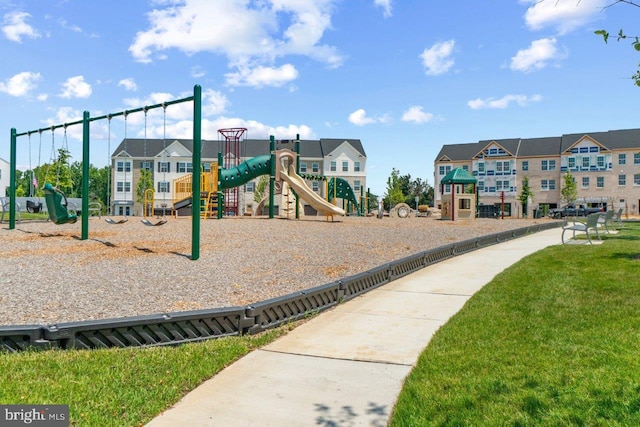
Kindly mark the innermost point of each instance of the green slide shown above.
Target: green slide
(58, 212)
(245, 172)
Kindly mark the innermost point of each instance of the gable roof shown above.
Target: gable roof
(509, 145)
(458, 152)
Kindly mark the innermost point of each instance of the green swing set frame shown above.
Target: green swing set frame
(58, 211)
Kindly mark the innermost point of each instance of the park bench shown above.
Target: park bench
(590, 224)
(617, 218)
(605, 220)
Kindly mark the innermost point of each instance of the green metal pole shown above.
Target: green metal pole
(272, 175)
(197, 172)
(361, 207)
(12, 182)
(220, 192)
(85, 176)
(298, 172)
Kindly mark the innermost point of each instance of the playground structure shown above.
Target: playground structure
(459, 204)
(219, 186)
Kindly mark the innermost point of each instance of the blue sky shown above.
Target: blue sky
(405, 77)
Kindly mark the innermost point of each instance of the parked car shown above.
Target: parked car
(573, 210)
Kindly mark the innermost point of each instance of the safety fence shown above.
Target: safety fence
(191, 326)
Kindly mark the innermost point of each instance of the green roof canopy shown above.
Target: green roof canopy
(458, 176)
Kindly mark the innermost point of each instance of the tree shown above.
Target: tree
(145, 183)
(525, 195)
(635, 42)
(569, 191)
(394, 194)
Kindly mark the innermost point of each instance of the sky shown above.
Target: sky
(404, 77)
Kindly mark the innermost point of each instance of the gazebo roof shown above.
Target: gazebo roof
(458, 176)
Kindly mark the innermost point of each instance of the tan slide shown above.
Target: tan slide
(300, 187)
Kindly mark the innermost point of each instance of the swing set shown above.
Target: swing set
(56, 200)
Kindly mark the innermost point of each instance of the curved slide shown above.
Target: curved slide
(297, 183)
(245, 172)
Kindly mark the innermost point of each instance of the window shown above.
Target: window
(146, 165)
(356, 166)
(585, 182)
(464, 204)
(586, 162)
(250, 187)
(600, 161)
(333, 166)
(548, 184)
(164, 167)
(636, 158)
(315, 186)
(480, 186)
(481, 167)
(345, 166)
(525, 165)
(447, 188)
(600, 182)
(206, 167)
(622, 179)
(571, 162)
(498, 185)
(443, 170)
(622, 159)
(465, 168)
(552, 165)
(545, 165)
(506, 167)
(356, 185)
(122, 186)
(303, 167)
(636, 179)
(315, 167)
(163, 187)
(122, 166)
(499, 168)
(185, 167)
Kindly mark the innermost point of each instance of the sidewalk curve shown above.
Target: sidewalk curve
(347, 366)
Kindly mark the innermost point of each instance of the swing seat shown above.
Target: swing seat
(58, 212)
(151, 224)
(113, 221)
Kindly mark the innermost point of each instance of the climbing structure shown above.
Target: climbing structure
(229, 146)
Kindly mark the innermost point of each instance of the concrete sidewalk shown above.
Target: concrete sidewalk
(347, 366)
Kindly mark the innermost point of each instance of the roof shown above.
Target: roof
(545, 146)
(149, 148)
(458, 176)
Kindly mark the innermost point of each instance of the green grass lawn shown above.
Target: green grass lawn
(552, 341)
(118, 387)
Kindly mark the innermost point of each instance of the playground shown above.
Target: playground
(50, 275)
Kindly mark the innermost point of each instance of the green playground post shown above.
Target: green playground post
(197, 172)
(298, 172)
(12, 182)
(85, 176)
(272, 175)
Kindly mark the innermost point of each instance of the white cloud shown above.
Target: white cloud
(504, 102)
(14, 27)
(75, 87)
(20, 84)
(359, 118)
(128, 84)
(385, 5)
(437, 59)
(536, 56)
(251, 35)
(262, 76)
(416, 115)
(563, 15)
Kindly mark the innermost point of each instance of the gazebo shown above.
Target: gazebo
(458, 204)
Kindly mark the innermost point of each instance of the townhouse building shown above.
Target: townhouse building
(604, 165)
(170, 159)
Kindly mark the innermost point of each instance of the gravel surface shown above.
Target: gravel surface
(48, 275)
